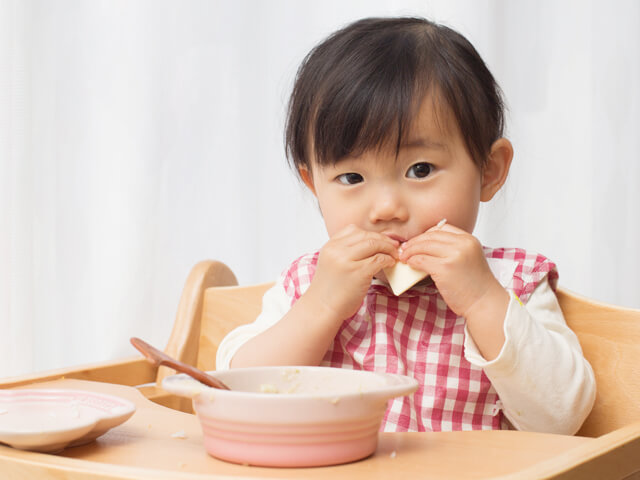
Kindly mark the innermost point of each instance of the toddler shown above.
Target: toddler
(395, 124)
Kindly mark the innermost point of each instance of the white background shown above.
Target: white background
(140, 137)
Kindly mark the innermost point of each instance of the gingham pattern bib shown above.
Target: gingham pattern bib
(416, 334)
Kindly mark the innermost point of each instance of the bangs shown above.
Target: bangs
(362, 88)
(349, 97)
(357, 112)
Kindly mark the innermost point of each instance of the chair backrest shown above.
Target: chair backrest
(608, 334)
(224, 309)
(610, 339)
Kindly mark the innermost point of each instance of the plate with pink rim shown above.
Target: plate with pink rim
(49, 420)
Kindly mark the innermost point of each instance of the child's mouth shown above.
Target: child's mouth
(395, 237)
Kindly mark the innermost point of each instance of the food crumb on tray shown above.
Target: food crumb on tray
(181, 434)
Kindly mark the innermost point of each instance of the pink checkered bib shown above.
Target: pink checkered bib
(416, 334)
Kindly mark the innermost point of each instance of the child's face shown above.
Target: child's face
(433, 177)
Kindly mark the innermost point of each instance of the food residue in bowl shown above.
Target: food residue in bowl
(192, 386)
(268, 388)
(272, 388)
(290, 374)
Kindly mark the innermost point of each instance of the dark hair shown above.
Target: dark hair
(362, 86)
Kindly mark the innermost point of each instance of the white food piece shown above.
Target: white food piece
(181, 434)
(268, 388)
(292, 388)
(402, 277)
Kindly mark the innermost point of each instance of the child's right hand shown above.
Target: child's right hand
(346, 265)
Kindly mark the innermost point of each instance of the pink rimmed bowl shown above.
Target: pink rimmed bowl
(292, 416)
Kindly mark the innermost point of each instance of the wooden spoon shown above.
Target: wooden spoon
(158, 357)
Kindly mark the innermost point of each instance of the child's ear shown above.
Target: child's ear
(306, 177)
(495, 172)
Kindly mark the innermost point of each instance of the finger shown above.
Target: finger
(372, 265)
(452, 248)
(434, 248)
(369, 245)
(358, 236)
(425, 263)
(359, 247)
(431, 236)
(352, 234)
(433, 233)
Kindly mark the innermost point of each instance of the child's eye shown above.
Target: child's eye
(350, 178)
(419, 170)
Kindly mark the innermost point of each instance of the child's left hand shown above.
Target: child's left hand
(455, 260)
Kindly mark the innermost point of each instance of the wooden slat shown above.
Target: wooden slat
(129, 371)
(609, 338)
(157, 395)
(224, 309)
(184, 339)
(614, 456)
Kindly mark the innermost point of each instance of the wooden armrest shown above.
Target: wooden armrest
(613, 456)
(129, 371)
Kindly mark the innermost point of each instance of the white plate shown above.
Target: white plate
(50, 420)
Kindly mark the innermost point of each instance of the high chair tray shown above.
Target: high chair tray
(161, 443)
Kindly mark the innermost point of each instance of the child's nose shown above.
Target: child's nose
(387, 204)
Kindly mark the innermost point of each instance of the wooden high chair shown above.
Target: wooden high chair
(212, 304)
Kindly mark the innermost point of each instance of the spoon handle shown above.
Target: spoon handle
(158, 357)
(194, 372)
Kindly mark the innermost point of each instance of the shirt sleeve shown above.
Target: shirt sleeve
(275, 304)
(541, 376)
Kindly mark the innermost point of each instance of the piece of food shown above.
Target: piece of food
(402, 277)
(268, 388)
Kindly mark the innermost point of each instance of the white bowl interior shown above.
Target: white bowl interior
(298, 381)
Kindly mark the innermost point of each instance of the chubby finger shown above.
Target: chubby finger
(434, 248)
(359, 245)
(444, 228)
(424, 263)
(352, 234)
(419, 242)
(372, 265)
(371, 244)
(454, 249)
